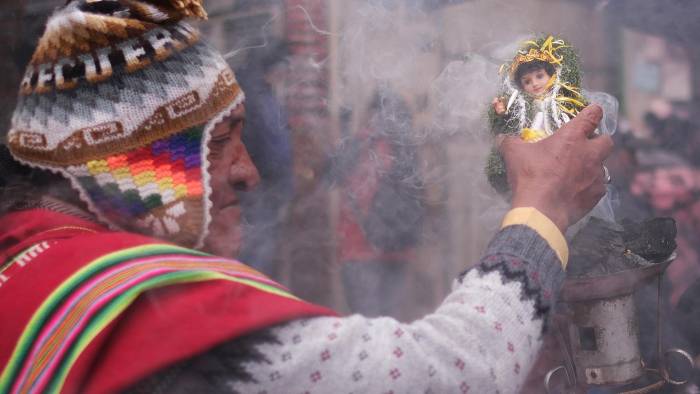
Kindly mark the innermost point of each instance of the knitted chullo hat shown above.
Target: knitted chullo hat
(120, 97)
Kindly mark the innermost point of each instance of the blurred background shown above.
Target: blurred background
(348, 95)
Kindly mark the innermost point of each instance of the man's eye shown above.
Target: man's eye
(219, 140)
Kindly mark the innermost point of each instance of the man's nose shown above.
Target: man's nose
(243, 175)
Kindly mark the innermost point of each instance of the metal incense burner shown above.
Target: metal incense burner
(597, 327)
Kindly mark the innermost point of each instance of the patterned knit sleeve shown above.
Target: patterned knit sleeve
(482, 339)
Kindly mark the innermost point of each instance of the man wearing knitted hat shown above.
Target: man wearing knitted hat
(125, 101)
(122, 98)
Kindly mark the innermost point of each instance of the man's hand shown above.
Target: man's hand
(561, 176)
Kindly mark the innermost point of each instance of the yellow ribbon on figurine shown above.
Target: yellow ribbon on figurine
(551, 82)
(575, 104)
(532, 135)
(562, 101)
(576, 91)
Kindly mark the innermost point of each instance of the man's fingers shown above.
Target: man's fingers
(585, 123)
(598, 191)
(602, 146)
(503, 142)
(598, 188)
(593, 193)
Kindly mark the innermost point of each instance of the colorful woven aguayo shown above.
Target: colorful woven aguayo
(120, 97)
(94, 296)
(96, 323)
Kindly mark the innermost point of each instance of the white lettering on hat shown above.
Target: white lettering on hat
(190, 34)
(26, 86)
(45, 77)
(91, 72)
(134, 54)
(61, 82)
(161, 40)
(105, 64)
(98, 66)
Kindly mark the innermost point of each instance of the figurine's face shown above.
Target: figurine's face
(535, 82)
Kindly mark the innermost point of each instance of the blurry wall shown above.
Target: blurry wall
(238, 27)
(656, 74)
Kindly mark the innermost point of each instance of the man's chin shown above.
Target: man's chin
(224, 241)
(225, 233)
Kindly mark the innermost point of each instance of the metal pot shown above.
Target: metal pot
(598, 329)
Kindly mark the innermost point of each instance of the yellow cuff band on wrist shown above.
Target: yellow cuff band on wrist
(537, 221)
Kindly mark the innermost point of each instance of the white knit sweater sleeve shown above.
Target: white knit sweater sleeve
(483, 338)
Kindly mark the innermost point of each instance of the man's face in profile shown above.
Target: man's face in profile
(232, 172)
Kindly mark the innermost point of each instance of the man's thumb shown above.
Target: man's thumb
(586, 121)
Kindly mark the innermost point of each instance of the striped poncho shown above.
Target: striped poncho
(85, 309)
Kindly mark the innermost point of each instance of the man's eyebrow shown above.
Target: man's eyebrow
(220, 134)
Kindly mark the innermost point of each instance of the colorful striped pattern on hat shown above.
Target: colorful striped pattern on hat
(156, 185)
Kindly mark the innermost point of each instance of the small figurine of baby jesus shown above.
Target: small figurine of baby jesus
(534, 78)
(540, 92)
